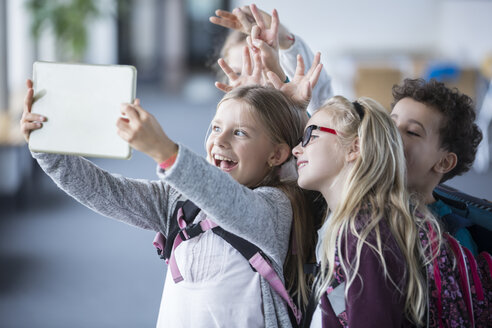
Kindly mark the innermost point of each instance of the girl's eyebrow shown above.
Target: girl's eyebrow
(247, 127)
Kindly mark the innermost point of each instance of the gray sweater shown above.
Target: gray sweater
(262, 216)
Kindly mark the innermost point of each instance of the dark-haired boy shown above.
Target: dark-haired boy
(440, 139)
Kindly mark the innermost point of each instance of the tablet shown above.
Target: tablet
(82, 104)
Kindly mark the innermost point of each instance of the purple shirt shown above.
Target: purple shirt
(372, 300)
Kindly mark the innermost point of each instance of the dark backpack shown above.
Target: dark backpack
(182, 229)
(478, 213)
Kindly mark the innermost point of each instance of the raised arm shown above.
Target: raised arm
(145, 204)
(263, 215)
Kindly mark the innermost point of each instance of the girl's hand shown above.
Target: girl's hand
(29, 121)
(268, 53)
(300, 88)
(243, 19)
(249, 74)
(142, 131)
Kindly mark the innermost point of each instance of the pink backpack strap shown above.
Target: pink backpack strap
(474, 273)
(436, 273)
(265, 269)
(488, 258)
(159, 242)
(186, 232)
(465, 279)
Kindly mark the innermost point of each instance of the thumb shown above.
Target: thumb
(136, 102)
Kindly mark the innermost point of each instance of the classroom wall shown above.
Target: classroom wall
(457, 30)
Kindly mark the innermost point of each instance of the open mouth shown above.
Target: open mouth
(224, 163)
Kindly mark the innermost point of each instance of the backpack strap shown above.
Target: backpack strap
(465, 279)
(474, 274)
(160, 241)
(436, 273)
(186, 232)
(184, 215)
(260, 263)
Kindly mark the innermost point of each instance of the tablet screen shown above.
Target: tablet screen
(82, 104)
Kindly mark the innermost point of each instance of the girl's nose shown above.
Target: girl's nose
(221, 140)
(297, 150)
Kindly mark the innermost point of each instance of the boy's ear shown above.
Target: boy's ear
(353, 152)
(447, 162)
(280, 155)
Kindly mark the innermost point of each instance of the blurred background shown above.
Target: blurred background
(63, 265)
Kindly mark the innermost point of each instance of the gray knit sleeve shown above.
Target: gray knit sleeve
(142, 203)
(262, 216)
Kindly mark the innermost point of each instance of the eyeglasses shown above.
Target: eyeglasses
(309, 130)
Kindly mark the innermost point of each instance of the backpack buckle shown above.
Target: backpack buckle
(191, 231)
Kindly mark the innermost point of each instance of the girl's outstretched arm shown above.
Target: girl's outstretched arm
(146, 204)
(262, 216)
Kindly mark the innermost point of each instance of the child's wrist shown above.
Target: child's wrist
(168, 163)
(167, 158)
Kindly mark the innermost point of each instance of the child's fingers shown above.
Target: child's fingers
(29, 84)
(243, 19)
(123, 129)
(27, 128)
(28, 100)
(30, 117)
(275, 22)
(300, 66)
(225, 14)
(257, 15)
(227, 70)
(224, 22)
(307, 91)
(316, 61)
(275, 80)
(257, 68)
(130, 112)
(315, 76)
(246, 70)
(136, 102)
(223, 87)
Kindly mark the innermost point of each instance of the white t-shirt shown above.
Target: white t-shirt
(219, 288)
(316, 320)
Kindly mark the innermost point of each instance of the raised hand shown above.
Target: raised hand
(250, 72)
(267, 32)
(240, 19)
(29, 121)
(269, 55)
(301, 86)
(244, 18)
(142, 131)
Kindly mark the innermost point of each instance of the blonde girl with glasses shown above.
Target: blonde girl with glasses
(369, 249)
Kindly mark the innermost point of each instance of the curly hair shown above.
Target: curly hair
(458, 133)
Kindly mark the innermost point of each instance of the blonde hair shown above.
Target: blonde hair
(376, 184)
(284, 123)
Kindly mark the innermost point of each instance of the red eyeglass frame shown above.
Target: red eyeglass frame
(309, 130)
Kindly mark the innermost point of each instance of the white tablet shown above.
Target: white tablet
(82, 104)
